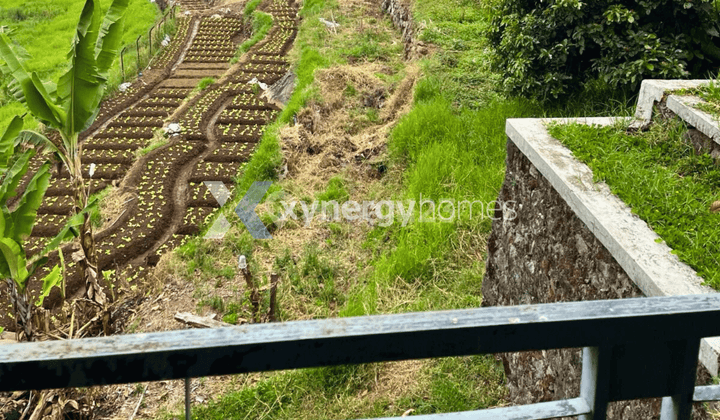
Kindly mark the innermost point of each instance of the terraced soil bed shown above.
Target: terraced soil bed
(164, 199)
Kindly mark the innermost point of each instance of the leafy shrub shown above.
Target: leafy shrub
(550, 48)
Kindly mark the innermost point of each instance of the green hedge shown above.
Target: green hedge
(548, 49)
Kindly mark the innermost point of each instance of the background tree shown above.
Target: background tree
(71, 106)
(548, 49)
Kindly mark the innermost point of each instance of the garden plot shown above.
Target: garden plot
(196, 118)
(107, 171)
(250, 101)
(153, 210)
(180, 83)
(158, 218)
(129, 132)
(62, 186)
(198, 195)
(194, 218)
(265, 68)
(59, 204)
(137, 121)
(247, 116)
(161, 101)
(172, 93)
(214, 41)
(195, 66)
(267, 59)
(114, 143)
(171, 53)
(99, 156)
(230, 152)
(48, 225)
(239, 132)
(193, 4)
(150, 111)
(278, 42)
(36, 243)
(226, 172)
(194, 74)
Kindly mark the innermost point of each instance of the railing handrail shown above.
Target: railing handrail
(640, 325)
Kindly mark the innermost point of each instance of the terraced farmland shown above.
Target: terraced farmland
(220, 126)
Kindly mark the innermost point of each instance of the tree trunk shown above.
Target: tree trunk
(22, 308)
(88, 260)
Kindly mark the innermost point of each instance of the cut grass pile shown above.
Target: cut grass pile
(663, 181)
(45, 29)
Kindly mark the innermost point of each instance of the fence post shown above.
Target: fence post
(151, 41)
(122, 65)
(679, 406)
(187, 398)
(595, 381)
(137, 48)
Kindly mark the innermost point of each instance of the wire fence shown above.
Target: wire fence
(134, 58)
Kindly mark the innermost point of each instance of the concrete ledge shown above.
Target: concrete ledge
(653, 90)
(649, 264)
(684, 107)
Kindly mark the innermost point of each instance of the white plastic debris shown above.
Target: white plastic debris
(216, 16)
(123, 87)
(255, 81)
(166, 41)
(329, 24)
(242, 262)
(187, 13)
(92, 170)
(173, 128)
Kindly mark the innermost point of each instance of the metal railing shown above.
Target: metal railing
(632, 348)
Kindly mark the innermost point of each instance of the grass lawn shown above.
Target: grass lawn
(663, 181)
(45, 29)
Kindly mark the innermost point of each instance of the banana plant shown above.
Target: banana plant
(71, 106)
(17, 224)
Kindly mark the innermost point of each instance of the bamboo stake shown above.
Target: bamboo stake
(137, 407)
(274, 278)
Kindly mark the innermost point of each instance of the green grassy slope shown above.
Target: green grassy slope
(45, 29)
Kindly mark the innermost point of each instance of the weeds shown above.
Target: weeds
(157, 142)
(205, 83)
(711, 94)
(261, 24)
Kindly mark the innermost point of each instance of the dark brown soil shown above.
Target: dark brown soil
(169, 201)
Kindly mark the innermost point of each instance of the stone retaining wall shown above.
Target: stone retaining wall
(401, 14)
(547, 254)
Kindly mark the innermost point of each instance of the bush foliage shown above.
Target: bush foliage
(549, 48)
